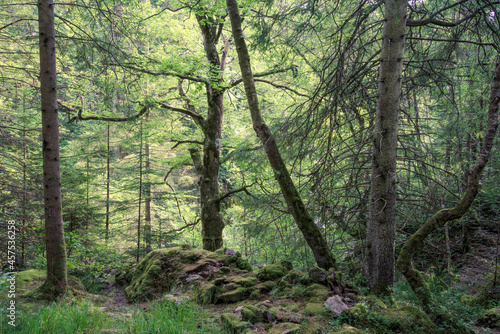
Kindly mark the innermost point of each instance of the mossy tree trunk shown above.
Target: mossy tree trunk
(304, 220)
(56, 282)
(404, 261)
(211, 218)
(381, 228)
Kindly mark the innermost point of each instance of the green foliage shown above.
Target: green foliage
(82, 317)
(168, 317)
(60, 318)
(94, 264)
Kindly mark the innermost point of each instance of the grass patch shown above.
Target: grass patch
(167, 317)
(58, 318)
(83, 317)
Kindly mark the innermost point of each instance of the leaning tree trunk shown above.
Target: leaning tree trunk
(305, 222)
(381, 229)
(405, 263)
(56, 281)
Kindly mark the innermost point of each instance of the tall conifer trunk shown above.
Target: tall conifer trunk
(56, 281)
(381, 229)
(304, 220)
(211, 218)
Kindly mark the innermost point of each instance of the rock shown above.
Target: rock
(225, 270)
(285, 328)
(229, 251)
(294, 277)
(346, 329)
(124, 278)
(318, 275)
(254, 295)
(238, 310)
(272, 272)
(336, 305)
(233, 296)
(314, 309)
(233, 323)
(266, 286)
(246, 282)
(252, 314)
(407, 319)
(269, 315)
(490, 318)
(317, 290)
(193, 277)
(286, 264)
(220, 281)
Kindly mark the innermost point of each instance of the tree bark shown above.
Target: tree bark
(304, 220)
(211, 218)
(381, 229)
(140, 200)
(56, 282)
(404, 263)
(108, 153)
(147, 200)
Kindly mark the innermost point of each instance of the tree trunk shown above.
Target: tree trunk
(108, 153)
(304, 220)
(56, 282)
(211, 218)
(381, 229)
(140, 200)
(147, 202)
(405, 264)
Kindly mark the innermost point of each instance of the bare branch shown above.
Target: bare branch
(197, 118)
(79, 116)
(163, 73)
(280, 87)
(186, 226)
(178, 142)
(293, 68)
(232, 192)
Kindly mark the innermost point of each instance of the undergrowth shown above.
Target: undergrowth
(82, 317)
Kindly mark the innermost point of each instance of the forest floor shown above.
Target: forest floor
(471, 271)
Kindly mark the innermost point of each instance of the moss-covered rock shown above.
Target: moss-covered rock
(233, 324)
(346, 329)
(254, 295)
(316, 290)
(125, 277)
(490, 318)
(246, 282)
(178, 268)
(285, 327)
(314, 309)
(318, 275)
(225, 270)
(295, 277)
(233, 296)
(488, 293)
(267, 286)
(252, 314)
(286, 264)
(272, 272)
(406, 319)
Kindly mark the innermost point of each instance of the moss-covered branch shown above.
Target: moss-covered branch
(404, 261)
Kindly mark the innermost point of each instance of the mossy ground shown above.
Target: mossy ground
(280, 300)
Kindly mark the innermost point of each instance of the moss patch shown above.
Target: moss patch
(285, 327)
(314, 309)
(490, 318)
(406, 319)
(317, 290)
(272, 272)
(232, 323)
